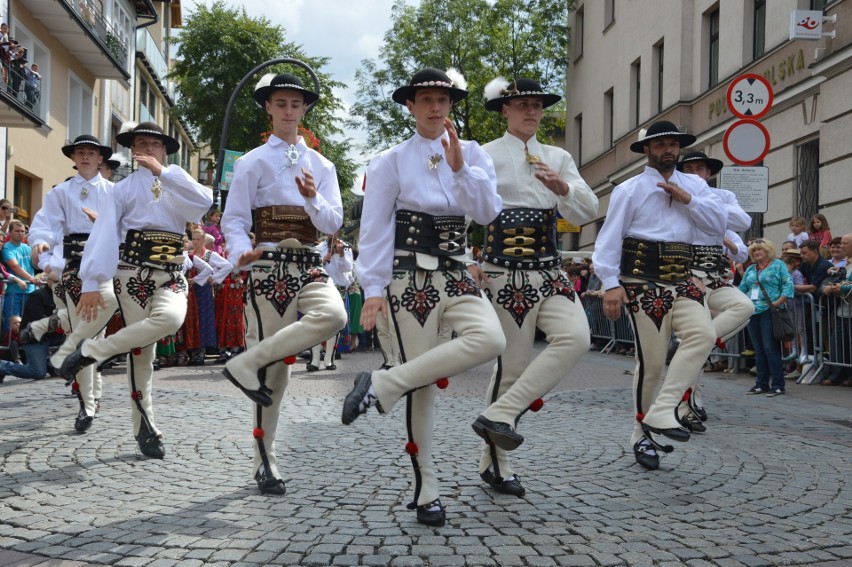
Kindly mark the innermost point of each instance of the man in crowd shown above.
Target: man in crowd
(65, 220)
(17, 257)
(149, 212)
(288, 191)
(523, 277)
(411, 252)
(642, 255)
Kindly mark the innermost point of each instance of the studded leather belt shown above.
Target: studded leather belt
(72, 248)
(409, 263)
(708, 258)
(153, 249)
(306, 258)
(430, 234)
(280, 222)
(666, 262)
(522, 239)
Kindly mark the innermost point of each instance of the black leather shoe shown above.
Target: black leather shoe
(512, 487)
(427, 517)
(83, 422)
(311, 368)
(269, 485)
(674, 433)
(259, 396)
(358, 400)
(693, 423)
(75, 362)
(640, 451)
(500, 434)
(700, 412)
(151, 445)
(331, 367)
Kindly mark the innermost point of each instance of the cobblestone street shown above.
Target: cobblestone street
(770, 483)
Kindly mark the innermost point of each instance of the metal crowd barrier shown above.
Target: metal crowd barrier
(819, 328)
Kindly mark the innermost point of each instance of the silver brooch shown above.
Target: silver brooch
(292, 154)
(157, 189)
(84, 192)
(434, 160)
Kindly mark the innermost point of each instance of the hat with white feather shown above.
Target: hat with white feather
(431, 78)
(500, 91)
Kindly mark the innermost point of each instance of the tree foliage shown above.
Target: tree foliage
(482, 39)
(218, 46)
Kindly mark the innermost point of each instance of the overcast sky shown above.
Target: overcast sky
(347, 31)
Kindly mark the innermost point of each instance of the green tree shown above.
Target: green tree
(482, 40)
(218, 46)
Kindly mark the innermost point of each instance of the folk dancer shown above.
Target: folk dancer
(411, 267)
(338, 261)
(642, 256)
(289, 192)
(65, 220)
(149, 214)
(730, 308)
(522, 265)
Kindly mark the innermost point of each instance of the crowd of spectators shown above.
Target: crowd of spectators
(19, 76)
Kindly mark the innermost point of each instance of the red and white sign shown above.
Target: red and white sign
(806, 24)
(746, 142)
(749, 96)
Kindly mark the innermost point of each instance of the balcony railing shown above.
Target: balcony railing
(19, 83)
(101, 29)
(152, 57)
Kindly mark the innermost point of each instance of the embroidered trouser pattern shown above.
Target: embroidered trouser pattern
(153, 305)
(277, 293)
(657, 310)
(88, 379)
(420, 302)
(524, 300)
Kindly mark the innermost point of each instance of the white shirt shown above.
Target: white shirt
(742, 250)
(62, 212)
(263, 178)
(219, 267)
(400, 178)
(640, 209)
(339, 268)
(520, 188)
(182, 199)
(205, 270)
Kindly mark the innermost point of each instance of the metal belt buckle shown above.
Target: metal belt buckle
(519, 241)
(666, 268)
(518, 252)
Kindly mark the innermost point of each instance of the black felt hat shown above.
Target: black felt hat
(662, 129)
(431, 78)
(499, 91)
(147, 129)
(270, 83)
(87, 141)
(714, 165)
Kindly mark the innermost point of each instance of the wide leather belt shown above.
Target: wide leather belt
(153, 249)
(429, 234)
(409, 263)
(666, 262)
(306, 258)
(72, 248)
(280, 222)
(708, 258)
(522, 238)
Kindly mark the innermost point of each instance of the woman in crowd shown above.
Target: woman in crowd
(768, 283)
(211, 227)
(840, 331)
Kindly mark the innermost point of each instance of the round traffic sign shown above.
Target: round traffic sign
(746, 142)
(749, 96)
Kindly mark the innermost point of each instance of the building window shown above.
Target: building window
(659, 56)
(608, 115)
(609, 13)
(579, 24)
(635, 92)
(819, 4)
(575, 241)
(759, 29)
(807, 179)
(36, 53)
(578, 139)
(598, 226)
(756, 228)
(80, 105)
(713, 48)
(22, 198)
